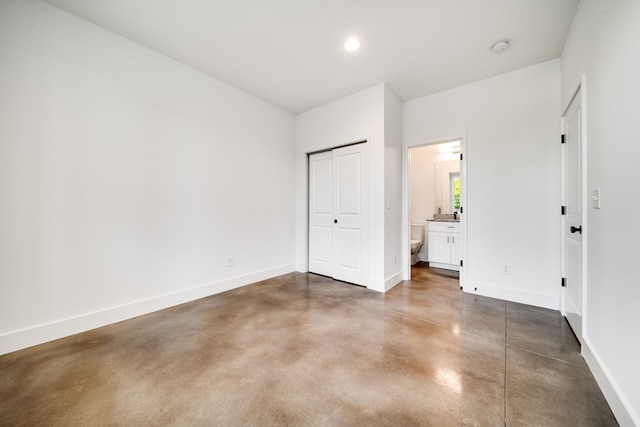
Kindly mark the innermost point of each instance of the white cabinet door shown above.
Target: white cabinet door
(439, 247)
(339, 214)
(456, 249)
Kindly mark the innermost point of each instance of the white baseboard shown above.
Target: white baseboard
(392, 281)
(514, 295)
(377, 285)
(61, 328)
(620, 406)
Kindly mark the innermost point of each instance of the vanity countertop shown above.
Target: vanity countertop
(443, 220)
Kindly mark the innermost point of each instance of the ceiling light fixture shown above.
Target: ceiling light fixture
(500, 46)
(449, 148)
(352, 44)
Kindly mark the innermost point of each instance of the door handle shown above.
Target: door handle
(335, 221)
(574, 229)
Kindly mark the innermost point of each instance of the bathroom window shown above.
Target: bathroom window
(454, 193)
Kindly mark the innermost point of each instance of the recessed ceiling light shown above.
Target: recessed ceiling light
(500, 46)
(352, 44)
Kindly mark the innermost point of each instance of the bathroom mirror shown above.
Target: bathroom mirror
(447, 187)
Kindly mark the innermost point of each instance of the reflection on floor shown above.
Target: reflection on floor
(302, 349)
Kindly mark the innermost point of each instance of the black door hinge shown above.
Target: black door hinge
(460, 263)
(460, 156)
(563, 139)
(563, 210)
(564, 282)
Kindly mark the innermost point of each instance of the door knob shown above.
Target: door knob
(335, 221)
(574, 229)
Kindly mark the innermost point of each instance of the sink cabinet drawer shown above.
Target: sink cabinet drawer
(445, 227)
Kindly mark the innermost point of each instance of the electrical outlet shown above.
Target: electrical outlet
(231, 261)
(506, 269)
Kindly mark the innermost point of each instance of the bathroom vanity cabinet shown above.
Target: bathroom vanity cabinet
(445, 249)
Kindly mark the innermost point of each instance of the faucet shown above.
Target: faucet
(455, 215)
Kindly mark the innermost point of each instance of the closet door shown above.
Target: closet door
(321, 213)
(339, 214)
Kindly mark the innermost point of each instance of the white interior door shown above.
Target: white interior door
(572, 220)
(339, 214)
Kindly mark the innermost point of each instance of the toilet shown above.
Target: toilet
(417, 240)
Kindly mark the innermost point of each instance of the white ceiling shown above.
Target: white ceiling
(289, 52)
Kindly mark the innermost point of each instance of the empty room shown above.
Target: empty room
(319, 213)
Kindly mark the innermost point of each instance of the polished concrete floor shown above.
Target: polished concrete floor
(305, 350)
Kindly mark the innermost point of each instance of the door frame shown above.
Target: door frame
(581, 91)
(406, 204)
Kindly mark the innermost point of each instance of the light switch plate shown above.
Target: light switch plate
(595, 197)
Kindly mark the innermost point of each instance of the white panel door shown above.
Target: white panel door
(339, 214)
(572, 220)
(351, 214)
(321, 213)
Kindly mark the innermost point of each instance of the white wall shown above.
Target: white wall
(603, 45)
(511, 124)
(127, 179)
(393, 189)
(422, 196)
(423, 160)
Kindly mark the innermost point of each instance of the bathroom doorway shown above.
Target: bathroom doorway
(436, 197)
